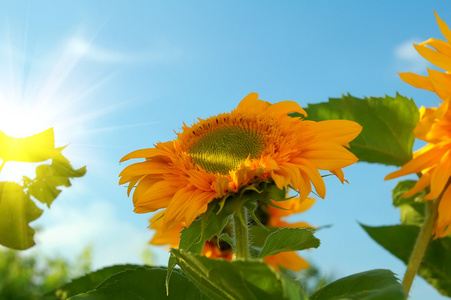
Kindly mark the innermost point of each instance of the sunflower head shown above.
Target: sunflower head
(224, 149)
(228, 153)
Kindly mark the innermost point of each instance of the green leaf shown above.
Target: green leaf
(16, 211)
(289, 239)
(143, 283)
(435, 267)
(412, 214)
(221, 279)
(201, 230)
(62, 167)
(49, 177)
(272, 192)
(36, 148)
(86, 283)
(258, 235)
(294, 287)
(388, 123)
(411, 208)
(193, 238)
(403, 187)
(369, 285)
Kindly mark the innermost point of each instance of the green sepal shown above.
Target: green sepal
(252, 207)
(435, 266)
(221, 279)
(289, 239)
(388, 123)
(369, 285)
(172, 262)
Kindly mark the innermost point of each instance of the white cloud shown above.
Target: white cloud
(79, 46)
(408, 59)
(159, 51)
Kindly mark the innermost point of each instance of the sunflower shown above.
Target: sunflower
(434, 160)
(220, 155)
(438, 52)
(270, 216)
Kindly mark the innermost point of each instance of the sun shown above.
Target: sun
(38, 92)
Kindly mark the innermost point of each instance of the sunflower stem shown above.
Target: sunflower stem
(421, 243)
(241, 234)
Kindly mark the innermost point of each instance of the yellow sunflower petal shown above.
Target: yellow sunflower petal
(420, 185)
(143, 153)
(443, 28)
(284, 108)
(186, 205)
(305, 187)
(418, 81)
(439, 45)
(144, 168)
(305, 205)
(440, 176)
(289, 260)
(132, 184)
(326, 155)
(124, 179)
(250, 103)
(419, 163)
(160, 189)
(314, 176)
(423, 128)
(441, 83)
(144, 185)
(340, 175)
(335, 131)
(440, 60)
(280, 179)
(201, 201)
(442, 226)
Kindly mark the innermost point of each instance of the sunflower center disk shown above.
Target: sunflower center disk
(224, 149)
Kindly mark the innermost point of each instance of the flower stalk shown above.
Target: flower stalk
(241, 234)
(424, 236)
(2, 165)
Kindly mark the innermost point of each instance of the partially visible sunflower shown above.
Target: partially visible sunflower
(220, 155)
(434, 162)
(271, 216)
(437, 52)
(434, 127)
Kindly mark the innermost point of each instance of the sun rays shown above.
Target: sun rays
(56, 90)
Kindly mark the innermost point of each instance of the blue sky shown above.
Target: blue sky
(115, 76)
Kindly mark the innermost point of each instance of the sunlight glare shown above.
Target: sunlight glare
(37, 94)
